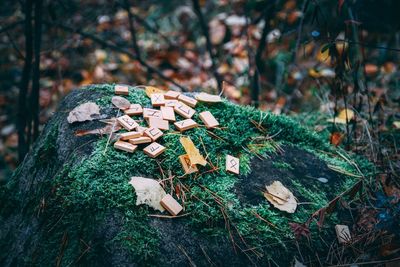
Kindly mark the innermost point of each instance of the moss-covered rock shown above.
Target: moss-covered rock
(70, 203)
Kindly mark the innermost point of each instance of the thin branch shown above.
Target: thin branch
(206, 33)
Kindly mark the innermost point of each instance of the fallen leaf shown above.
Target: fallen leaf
(153, 90)
(396, 124)
(300, 230)
(120, 102)
(148, 191)
(191, 150)
(105, 130)
(280, 197)
(84, 112)
(336, 138)
(204, 97)
(341, 118)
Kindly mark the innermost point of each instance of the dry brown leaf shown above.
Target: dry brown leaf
(105, 130)
(280, 197)
(120, 102)
(84, 112)
(148, 191)
(191, 150)
(153, 90)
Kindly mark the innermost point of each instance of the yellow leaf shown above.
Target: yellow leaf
(341, 118)
(281, 197)
(323, 56)
(191, 150)
(396, 124)
(313, 73)
(152, 90)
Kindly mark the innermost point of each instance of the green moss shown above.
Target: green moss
(282, 165)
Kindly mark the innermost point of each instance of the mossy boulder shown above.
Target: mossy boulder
(70, 203)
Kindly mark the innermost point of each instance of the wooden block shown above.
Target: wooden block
(187, 167)
(232, 164)
(170, 204)
(342, 233)
(171, 102)
(157, 100)
(129, 135)
(171, 95)
(140, 140)
(134, 109)
(154, 149)
(141, 129)
(204, 97)
(125, 146)
(127, 122)
(185, 125)
(153, 133)
(168, 113)
(190, 101)
(158, 123)
(184, 110)
(149, 112)
(208, 119)
(121, 90)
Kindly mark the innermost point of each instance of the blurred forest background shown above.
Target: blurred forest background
(315, 60)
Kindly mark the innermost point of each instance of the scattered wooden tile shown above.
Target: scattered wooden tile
(141, 129)
(184, 110)
(134, 109)
(153, 133)
(171, 102)
(149, 112)
(157, 100)
(170, 204)
(168, 113)
(204, 97)
(186, 165)
(158, 123)
(125, 146)
(129, 135)
(190, 101)
(171, 95)
(208, 119)
(185, 125)
(342, 233)
(127, 122)
(232, 164)
(121, 90)
(140, 140)
(154, 149)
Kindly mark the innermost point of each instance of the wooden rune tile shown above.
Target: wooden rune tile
(149, 112)
(129, 135)
(184, 110)
(125, 146)
(121, 90)
(185, 125)
(141, 129)
(168, 113)
(158, 123)
(157, 100)
(153, 133)
(171, 205)
(140, 140)
(127, 122)
(208, 119)
(171, 95)
(343, 233)
(134, 109)
(187, 167)
(190, 101)
(232, 164)
(154, 149)
(171, 102)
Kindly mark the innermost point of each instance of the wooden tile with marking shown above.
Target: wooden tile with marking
(208, 119)
(232, 164)
(121, 90)
(134, 109)
(125, 146)
(343, 233)
(204, 97)
(171, 205)
(187, 167)
(149, 112)
(185, 125)
(190, 101)
(158, 123)
(157, 100)
(141, 129)
(171, 102)
(171, 95)
(140, 140)
(168, 113)
(184, 110)
(127, 122)
(154, 149)
(153, 133)
(129, 135)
